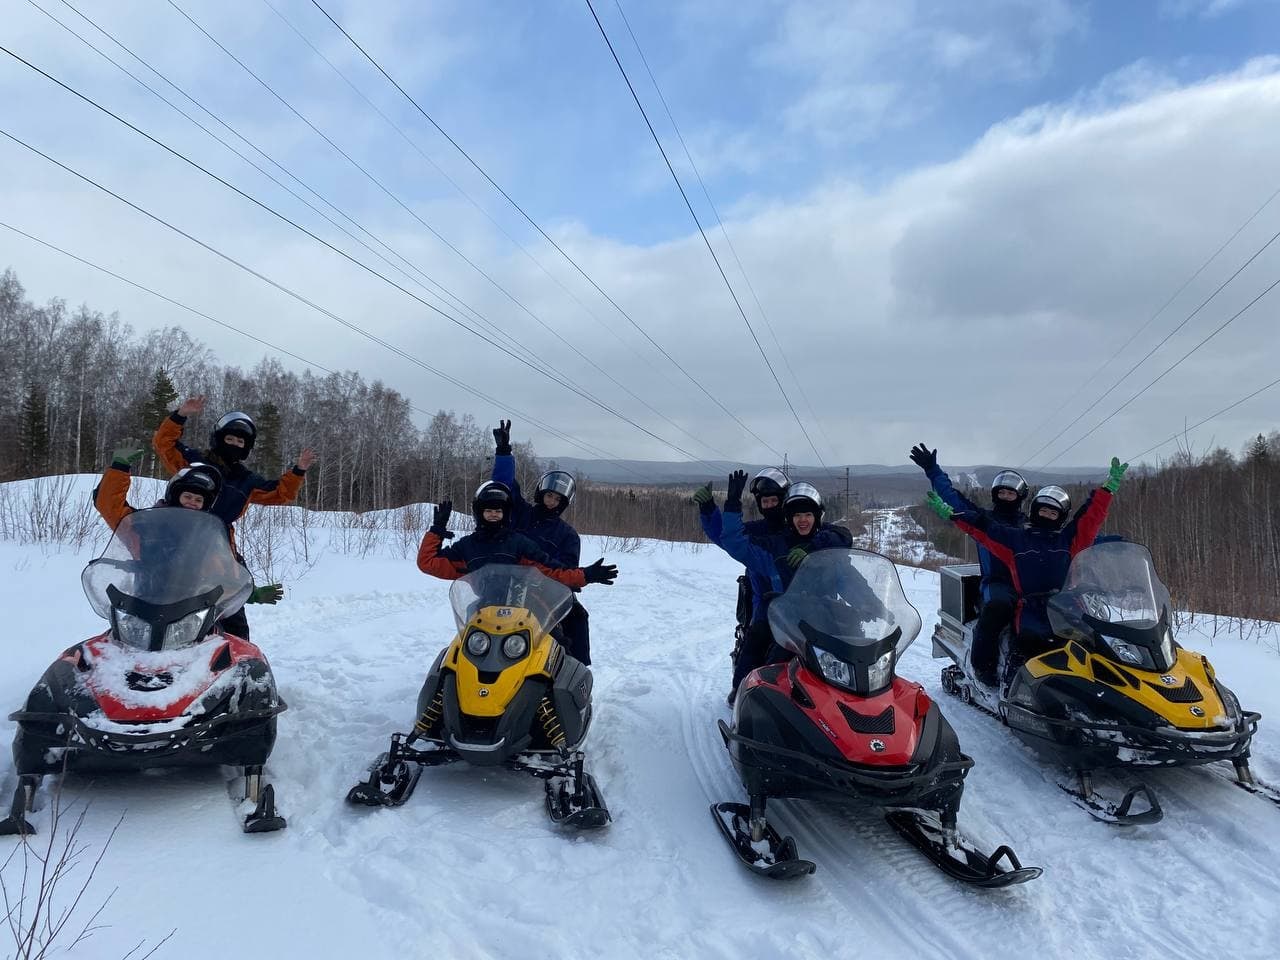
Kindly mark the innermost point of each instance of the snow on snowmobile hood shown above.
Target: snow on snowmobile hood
(163, 557)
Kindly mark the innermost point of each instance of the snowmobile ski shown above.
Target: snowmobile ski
(773, 856)
(1245, 780)
(389, 784)
(956, 857)
(576, 802)
(265, 818)
(24, 796)
(1108, 811)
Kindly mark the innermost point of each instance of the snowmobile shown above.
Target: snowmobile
(1113, 689)
(165, 686)
(836, 724)
(503, 693)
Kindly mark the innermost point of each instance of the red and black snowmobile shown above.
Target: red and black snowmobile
(836, 724)
(165, 686)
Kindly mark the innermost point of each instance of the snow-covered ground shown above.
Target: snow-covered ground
(893, 532)
(471, 867)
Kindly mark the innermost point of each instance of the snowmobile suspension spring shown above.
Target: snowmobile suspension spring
(430, 716)
(550, 722)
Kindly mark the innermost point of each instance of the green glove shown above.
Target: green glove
(268, 593)
(703, 497)
(1116, 476)
(938, 505)
(126, 457)
(796, 556)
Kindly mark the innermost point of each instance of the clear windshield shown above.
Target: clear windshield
(510, 585)
(166, 555)
(853, 595)
(1115, 583)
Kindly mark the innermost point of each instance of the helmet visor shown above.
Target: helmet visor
(770, 482)
(557, 481)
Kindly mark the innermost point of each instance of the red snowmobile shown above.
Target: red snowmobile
(836, 724)
(165, 686)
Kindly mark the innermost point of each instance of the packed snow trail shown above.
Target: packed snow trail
(471, 868)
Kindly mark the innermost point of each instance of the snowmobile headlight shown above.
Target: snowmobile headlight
(478, 643)
(132, 631)
(515, 646)
(185, 632)
(833, 668)
(878, 674)
(1130, 653)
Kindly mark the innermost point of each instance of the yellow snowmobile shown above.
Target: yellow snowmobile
(503, 693)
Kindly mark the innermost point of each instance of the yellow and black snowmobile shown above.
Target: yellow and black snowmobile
(503, 693)
(1115, 689)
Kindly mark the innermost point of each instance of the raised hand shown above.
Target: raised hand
(502, 438)
(733, 497)
(938, 505)
(1116, 476)
(924, 458)
(126, 456)
(306, 458)
(601, 572)
(192, 405)
(440, 523)
(704, 498)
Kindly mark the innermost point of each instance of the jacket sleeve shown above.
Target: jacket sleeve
(168, 445)
(735, 542)
(712, 524)
(504, 469)
(572, 549)
(1084, 526)
(952, 497)
(995, 537)
(276, 493)
(109, 497)
(840, 536)
(434, 562)
(531, 555)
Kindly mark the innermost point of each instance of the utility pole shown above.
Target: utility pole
(847, 509)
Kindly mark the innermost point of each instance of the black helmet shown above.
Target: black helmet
(803, 498)
(770, 482)
(202, 478)
(557, 481)
(1009, 480)
(491, 494)
(240, 424)
(1056, 499)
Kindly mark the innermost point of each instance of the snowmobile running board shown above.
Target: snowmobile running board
(925, 833)
(778, 861)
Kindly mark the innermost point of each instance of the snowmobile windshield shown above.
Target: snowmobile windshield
(852, 597)
(164, 558)
(1115, 583)
(510, 587)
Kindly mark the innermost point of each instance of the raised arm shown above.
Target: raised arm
(110, 497)
(927, 460)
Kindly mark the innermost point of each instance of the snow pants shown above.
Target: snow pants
(755, 650)
(237, 624)
(996, 614)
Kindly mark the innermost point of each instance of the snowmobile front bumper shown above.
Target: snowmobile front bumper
(776, 771)
(1089, 744)
(240, 738)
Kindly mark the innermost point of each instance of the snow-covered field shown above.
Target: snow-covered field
(893, 532)
(471, 867)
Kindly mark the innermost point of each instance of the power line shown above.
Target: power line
(723, 231)
(1212, 416)
(551, 431)
(703, 234)
(1124, 376)
(533, 223)
(456, 300)
(342, 253)
(1167, 370)
(1164, 306)
(265, 279)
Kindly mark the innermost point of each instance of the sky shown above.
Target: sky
(942, 221)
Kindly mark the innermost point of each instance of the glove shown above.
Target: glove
(924, 458)
(502, 438)
(1116, 477)
(440, 523)
(126, 457)
(733, 498)
(600, 572)
(796, 556)
(268, 593)
(704, 498)
(938, 505)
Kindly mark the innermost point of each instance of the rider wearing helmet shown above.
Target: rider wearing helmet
(495, 541)
(772, 558)
(999, 597)
(1038, 555)
(195, 487)
(543, 523)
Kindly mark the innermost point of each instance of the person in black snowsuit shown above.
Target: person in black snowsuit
(999, 595)
(542, 522)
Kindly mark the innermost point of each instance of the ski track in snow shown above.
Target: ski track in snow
(471, 867)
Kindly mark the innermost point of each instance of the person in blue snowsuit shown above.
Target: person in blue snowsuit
(542, 523)
(772, 558)
(999, 596)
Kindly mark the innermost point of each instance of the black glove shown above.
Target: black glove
(440, 523)
(733, 498)
(924, 458)
(600, 572)
(502, 438)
